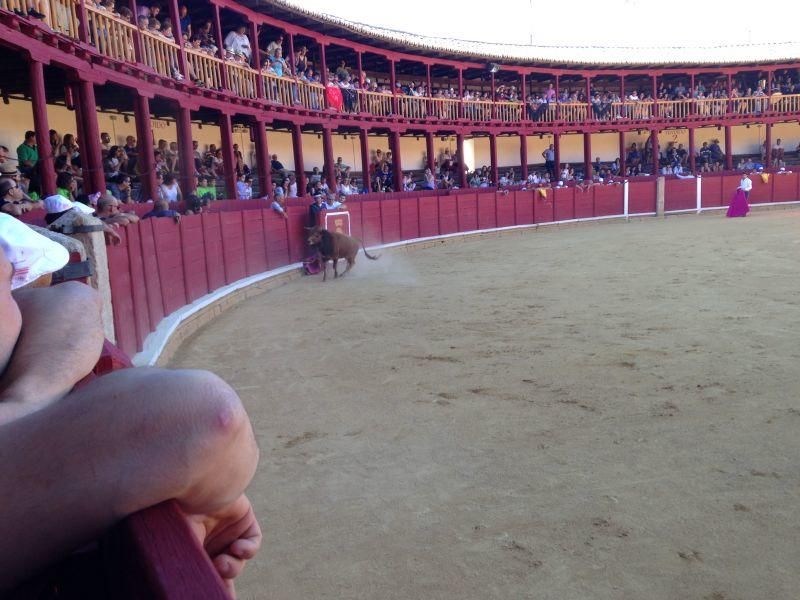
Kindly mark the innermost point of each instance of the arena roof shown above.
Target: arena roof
(591, 56)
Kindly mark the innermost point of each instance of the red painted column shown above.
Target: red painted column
(655, 93)
(558, 95)
(430, 152)
(524, 96)
(220, 45)
(494, 100)
(323, 64)
(397, 164)
(692, 157)
(363, 134)
(523, 155)
(728, 148)
(729, 108)
(493, 158)
(146, 159)
(263, 164)
(589, 115)
(693, 107)
(42, 127)
(587, 155)
(393, 84)
(622, 153)
(429, 88)
(257, 61)
(299, 168)
(327, 154)
(176, 29)
(654, 150)
(557, 154)
(183, 121)
(94, 180)
(461, 93)
(768, 149)
(462, 174)
(291, 55)
(137, 36)
(229, 165)
(80, 131)
(83, 22)
(360, 67)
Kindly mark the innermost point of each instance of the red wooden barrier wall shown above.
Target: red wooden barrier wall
(680, 194)
(161, 266)
(641, 197)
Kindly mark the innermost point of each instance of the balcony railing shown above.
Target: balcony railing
(116, 38)
(206, 69)
(444, 108)
(112, 36)
(242, 80)
(376, 103)
(62, 16)
(160, 54)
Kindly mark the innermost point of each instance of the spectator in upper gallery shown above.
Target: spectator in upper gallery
(206, 191)
(66, 185)
(185, 20)
(279, 205)
(237, 42)
(275, 45)
(408, 183)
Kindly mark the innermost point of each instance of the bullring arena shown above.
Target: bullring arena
(540, 414)
(568, 375)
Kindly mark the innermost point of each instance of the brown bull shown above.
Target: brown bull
(331, 245)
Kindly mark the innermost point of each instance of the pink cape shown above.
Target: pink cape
(738, 206)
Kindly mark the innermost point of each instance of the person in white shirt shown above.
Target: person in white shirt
(292, 186)
(237, 42)
(745, 184)
(244, 187)
(331, 203)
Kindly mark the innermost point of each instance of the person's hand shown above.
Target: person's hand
(231, 537)
(111, 235)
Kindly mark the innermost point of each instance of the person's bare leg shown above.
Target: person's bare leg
(60, 343)
(127, 441)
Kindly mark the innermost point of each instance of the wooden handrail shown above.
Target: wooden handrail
(205, 69)
(111, 35)
(160, 54)
(242, 79)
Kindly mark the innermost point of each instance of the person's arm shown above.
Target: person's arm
(75, 330)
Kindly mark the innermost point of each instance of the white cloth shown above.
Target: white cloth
(239, 44)
(32, 254)
(746, 184)
(58, 203)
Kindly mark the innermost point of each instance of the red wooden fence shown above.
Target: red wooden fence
(161, 266)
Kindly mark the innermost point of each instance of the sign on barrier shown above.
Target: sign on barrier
(338, 222)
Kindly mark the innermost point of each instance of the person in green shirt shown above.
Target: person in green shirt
(205, 191)
(66, 185)
(28, 152)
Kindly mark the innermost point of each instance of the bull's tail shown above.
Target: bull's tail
(367, 254)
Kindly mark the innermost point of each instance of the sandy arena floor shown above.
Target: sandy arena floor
(600, 412)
